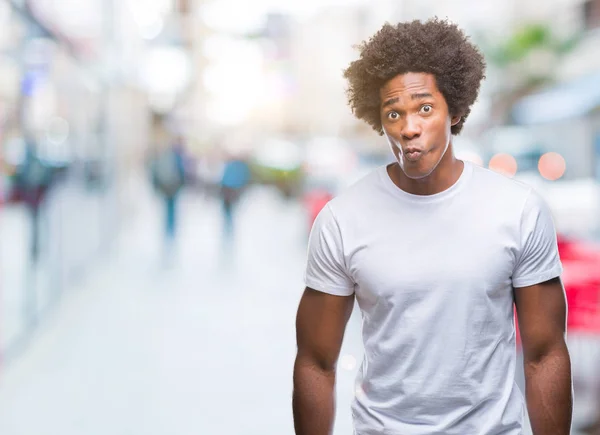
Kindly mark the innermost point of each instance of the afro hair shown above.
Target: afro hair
(436, 46)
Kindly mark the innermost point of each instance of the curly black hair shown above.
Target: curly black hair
(436, 47)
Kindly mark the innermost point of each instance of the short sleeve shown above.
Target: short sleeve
(538, 259)
(325, 270)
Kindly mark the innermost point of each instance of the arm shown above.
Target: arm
(320, 326)
(541, 311)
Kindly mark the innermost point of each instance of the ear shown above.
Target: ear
(455, 120)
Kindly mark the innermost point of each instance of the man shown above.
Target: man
(33, 180)
(168, 177)
(235, 178)
(436, 251)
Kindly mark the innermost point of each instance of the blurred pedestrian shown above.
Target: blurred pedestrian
(234, 180)
(33, 179)
(168, 177)
(436, 251)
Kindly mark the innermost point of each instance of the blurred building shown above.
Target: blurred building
(73, 81)
(322, 47)
(564, 117)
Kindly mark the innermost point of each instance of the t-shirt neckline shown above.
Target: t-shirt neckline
(451, 191)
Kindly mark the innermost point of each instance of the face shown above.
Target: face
(416, 122)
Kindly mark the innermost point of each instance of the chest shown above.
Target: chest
(471, 257)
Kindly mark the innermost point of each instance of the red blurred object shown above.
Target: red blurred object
(581, 279)
(314, 201)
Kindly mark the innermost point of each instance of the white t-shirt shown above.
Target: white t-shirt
(433, 277)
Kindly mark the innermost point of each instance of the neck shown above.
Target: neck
(446, 173)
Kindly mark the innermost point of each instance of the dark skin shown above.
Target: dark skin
(414, 115)
(417, 123)
(542, 315)
(320, 326)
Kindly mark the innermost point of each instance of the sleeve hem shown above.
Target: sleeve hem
(538, 278)
(328, 288)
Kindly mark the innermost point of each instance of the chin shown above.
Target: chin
(416, 174)
(417, 171)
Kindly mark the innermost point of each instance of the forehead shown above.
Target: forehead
(404, 85)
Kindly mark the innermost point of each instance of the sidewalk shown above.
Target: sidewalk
(204, 346)
(70, 233)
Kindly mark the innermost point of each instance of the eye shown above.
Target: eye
(393, 116)
(427, 108)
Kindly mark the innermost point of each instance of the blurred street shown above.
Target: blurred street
(162, 162)
(71, 224)
(204, 345)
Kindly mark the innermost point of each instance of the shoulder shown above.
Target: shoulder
(502, 190)
(358, 195)
(498, 182)
(511, 196)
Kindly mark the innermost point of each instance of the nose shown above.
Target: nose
(411, 128)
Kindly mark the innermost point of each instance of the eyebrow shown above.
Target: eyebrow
(418, 96)
(421, 96)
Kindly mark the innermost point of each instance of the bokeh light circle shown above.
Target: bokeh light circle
(504, 164)
(552, 166)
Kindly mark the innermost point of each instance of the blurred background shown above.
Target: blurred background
(162, 162)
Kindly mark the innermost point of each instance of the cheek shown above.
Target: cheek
(392, 143)
(441, 131)
(390, 137)
(395, 146)
(446, 125)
